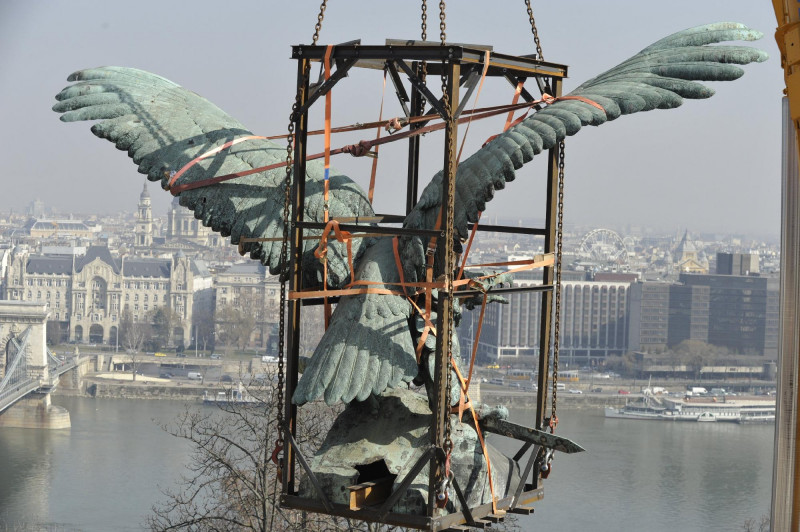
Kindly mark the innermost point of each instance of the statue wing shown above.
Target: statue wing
(164, 126)
(368, 346)
(658, 77)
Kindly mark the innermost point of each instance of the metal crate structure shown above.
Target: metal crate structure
(461, 67)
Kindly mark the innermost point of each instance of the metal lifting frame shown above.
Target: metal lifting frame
(462, 65)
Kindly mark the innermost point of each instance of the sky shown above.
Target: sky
(711, 165)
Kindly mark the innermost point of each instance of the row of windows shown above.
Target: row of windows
(47, 282)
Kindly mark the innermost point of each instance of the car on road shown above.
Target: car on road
(180, 355)
(215, 356)
(165, 375)
(226, 378)
(572, 390)
(623, 392)
(597, 390)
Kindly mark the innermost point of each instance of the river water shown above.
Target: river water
(104, 473)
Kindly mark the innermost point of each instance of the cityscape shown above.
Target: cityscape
(634, 370)
(633, 292)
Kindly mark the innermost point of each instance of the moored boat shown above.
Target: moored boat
(698, 409)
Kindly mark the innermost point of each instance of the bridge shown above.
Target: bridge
(28, 370)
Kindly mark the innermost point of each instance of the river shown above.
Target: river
(105, 472)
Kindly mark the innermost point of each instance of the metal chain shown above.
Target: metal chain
(423, 72)
(534, 31)
(284, 256)
(449, 260)
(559, 242)
(424, 24)
(284, 261)
(442, 24)
(318, 25)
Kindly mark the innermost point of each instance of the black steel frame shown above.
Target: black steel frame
(462, 63)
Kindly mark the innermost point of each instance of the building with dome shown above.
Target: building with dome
(182, 225)
(689, 258)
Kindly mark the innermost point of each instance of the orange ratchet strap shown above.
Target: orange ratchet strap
(371, 191)
(362, 148)
(475, 102)
(326, 179)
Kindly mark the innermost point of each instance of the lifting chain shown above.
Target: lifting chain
(284, 254)
(424, 25)
(423, 71)
(318, 25)
(534, 31)
(559, 242)
(284, 273)
(449, 267)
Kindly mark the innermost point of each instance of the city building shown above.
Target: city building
(689, 258)
(248, 287)
(144, 221)
(87, 294)
(59, 229)
(593, 325)
(182, 225)
(738, 312)
(737, 263)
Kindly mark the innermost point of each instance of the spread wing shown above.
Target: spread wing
(163, 126)
(658, 77)
(368, 346)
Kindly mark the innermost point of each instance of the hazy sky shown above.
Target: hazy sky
(709, 165)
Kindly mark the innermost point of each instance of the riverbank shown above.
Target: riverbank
(148, 388)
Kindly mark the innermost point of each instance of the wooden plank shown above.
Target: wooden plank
(499, 517)
(370, 493)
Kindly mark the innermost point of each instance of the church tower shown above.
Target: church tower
(144, 220)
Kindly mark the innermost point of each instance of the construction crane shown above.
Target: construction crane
(785, 512)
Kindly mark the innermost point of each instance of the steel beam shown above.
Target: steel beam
(548, 277)
(295, 275)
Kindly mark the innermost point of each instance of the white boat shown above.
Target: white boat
(642, 408)
(232, 396)
(698, 409)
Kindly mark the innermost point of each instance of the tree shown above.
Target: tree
(164, 321)
(132, 336)
(231, 482)
(203, 325)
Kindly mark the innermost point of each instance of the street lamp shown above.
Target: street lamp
(116, 347)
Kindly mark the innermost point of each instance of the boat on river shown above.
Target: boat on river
(232, 396)
(698, 409)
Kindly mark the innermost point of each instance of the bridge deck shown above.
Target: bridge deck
(16, 392)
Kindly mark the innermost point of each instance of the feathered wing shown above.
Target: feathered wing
(658, 77)
(368, 346)
(163, 126)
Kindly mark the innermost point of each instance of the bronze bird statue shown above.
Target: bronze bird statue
(369, 346)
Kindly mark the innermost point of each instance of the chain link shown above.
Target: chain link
(284, 257)
(442, 24)
(449, 260)
(284, 271)
(559, 242)
(424, 24)
(318, 25)
(534, 30)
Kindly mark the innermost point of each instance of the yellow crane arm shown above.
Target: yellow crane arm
(787, 13)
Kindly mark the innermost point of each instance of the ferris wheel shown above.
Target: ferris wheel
(603, 247)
